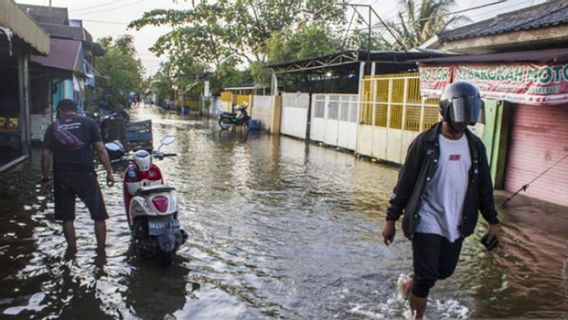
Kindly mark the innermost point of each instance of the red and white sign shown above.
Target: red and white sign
(518, 83)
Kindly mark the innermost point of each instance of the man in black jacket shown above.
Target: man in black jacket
(442, 185)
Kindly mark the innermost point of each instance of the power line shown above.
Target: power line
(97, 6)
(516, 5)
(113, 8)
(104, 22)
(463, 10)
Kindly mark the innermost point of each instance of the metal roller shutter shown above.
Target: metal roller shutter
(539, 138)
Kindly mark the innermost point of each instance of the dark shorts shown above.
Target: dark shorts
(68, 185)
(435, 258)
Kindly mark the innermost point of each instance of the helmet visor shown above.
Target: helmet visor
(466, 110)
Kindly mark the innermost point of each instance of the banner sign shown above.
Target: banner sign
(517, 83)
(433, 79)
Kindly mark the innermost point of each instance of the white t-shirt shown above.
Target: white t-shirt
(442, 205)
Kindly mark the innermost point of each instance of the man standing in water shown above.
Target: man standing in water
(442, 185)
(69, 139)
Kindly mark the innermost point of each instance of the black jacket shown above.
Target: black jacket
(417, 171)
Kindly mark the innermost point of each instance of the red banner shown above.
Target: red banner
(518, 83)
(433, 79)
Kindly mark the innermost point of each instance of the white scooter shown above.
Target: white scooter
(150, 205)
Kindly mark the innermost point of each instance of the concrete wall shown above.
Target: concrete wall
(294, 114)
(39, 123)
(263, 111)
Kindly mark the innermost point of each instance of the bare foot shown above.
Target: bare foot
(405, 285)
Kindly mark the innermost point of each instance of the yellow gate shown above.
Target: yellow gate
(394, 101)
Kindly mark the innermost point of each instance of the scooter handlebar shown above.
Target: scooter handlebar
(121, 159)
(162, 155)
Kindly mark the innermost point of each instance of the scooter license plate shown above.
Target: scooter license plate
(158, 228)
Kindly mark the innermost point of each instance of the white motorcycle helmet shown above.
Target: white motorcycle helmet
(143, 160)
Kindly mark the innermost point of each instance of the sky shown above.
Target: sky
(110, 18)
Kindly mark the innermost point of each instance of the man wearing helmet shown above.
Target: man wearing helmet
(443, 184)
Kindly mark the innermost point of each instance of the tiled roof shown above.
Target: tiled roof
(67, 32)
(548, 14)
(43, 14)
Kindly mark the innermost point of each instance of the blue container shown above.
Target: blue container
(254, 124)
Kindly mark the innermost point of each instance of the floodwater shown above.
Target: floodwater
(278, 230)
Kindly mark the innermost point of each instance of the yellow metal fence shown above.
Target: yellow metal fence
(227, 96)
(242, 98)
(394, 101)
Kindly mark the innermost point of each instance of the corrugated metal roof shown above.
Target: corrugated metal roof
(373, 56)
(63, 55)
(548, 14)
(23, 26)
(55, 21)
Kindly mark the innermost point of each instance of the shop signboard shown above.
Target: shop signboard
(525, 83)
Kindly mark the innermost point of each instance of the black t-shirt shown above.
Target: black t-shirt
(80, 159)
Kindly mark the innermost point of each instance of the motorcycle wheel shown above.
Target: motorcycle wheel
(224, 124)
(166, 258)
(141, 239)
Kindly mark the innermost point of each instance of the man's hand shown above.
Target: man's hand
(389, 232)
(110, 179)
(492, 231)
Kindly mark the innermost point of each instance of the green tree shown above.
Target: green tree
(303, 42)
(214, 31)
(418, 22)
(121, 72)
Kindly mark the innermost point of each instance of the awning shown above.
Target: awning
(350, 58)
(13, 18)
(64, 55)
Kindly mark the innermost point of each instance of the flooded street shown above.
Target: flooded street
(277, 230)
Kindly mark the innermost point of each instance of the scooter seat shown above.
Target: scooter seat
(143, 191)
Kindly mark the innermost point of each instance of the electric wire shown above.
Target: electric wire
(113, 8)
(78, 10)
(525, 186)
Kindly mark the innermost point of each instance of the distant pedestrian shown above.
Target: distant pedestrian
(442, 185)
(70, 139)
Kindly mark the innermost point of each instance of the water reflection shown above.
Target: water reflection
(154, 292)
(278, 230)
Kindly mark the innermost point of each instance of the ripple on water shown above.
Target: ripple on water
(277, 229)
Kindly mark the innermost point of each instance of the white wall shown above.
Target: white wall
(294, 114)
(334, 119)
(262, 110)
(39, 123)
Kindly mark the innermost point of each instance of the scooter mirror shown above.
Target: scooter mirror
(168, 140)
(112, 146)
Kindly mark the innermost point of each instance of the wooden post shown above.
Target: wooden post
(276, 114)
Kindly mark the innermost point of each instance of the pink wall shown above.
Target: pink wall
(539, 138)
